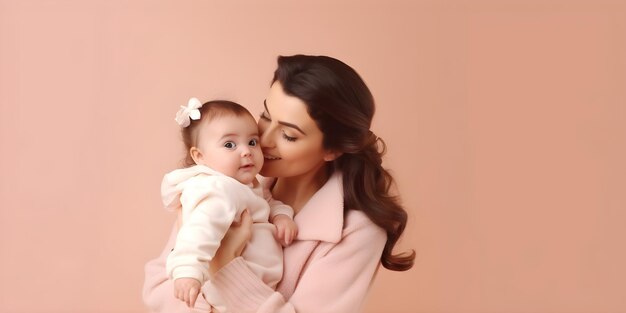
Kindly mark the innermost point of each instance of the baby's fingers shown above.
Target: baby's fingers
(186, 298)
(182, 294)
(280, 233)
(193, 296)
(288, 237)
(294, 234)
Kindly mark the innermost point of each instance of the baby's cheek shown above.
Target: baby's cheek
(259, 160)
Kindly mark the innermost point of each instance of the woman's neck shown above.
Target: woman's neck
(296, 191)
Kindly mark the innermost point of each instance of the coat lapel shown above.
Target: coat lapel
(321, 219)
(295, 257)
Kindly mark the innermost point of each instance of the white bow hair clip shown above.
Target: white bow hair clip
(188, 113)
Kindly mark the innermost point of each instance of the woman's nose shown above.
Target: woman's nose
(266, 140)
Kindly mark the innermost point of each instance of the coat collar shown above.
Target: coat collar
(321, 218)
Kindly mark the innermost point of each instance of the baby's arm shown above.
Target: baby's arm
(286, 229)
(207, 213)
(179, 218)
(281, 215)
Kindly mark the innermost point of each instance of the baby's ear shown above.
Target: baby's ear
(331, 155)
(196, 155)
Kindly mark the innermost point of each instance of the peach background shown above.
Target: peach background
(505, 123)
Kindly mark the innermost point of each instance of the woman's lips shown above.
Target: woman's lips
(270, 157)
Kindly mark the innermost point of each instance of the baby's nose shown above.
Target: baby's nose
(245, 152)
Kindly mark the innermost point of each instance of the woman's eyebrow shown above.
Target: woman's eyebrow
(294, 126)
(265, 105)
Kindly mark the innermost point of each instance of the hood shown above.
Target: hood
(174, 182)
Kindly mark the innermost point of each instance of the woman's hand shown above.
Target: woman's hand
(233, 242)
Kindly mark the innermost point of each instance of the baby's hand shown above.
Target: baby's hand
(187, 290)
(286, 229)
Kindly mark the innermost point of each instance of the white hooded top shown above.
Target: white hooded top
(210, 202)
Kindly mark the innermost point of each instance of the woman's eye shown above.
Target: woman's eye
(265, 116)
(289, 138)
(252, 143)
(230, 145)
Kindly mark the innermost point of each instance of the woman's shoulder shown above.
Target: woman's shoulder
(357, 221)
(360, 238)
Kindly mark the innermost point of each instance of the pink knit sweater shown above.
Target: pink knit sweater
(329, 267)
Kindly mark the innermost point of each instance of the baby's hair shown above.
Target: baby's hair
(208, 111)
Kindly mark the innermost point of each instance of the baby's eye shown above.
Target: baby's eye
(252, 142)
(230, 145)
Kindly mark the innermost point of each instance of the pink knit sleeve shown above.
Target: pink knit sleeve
(335, 282)
(158, 290)
(276, 206)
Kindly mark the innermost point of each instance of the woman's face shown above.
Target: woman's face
(290, 139)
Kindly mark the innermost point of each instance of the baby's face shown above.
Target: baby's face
(230, 144)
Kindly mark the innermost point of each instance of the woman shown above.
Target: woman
(316, 139)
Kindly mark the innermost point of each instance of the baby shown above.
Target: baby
(223, 159)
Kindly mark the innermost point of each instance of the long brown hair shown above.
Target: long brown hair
(343, 107)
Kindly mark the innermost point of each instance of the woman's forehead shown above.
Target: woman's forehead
(286, 108)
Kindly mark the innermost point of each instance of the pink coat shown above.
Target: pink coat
(329, 267)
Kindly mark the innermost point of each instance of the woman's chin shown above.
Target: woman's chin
(268, 170)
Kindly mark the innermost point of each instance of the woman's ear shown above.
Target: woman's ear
(331, 155)
(196, 155)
